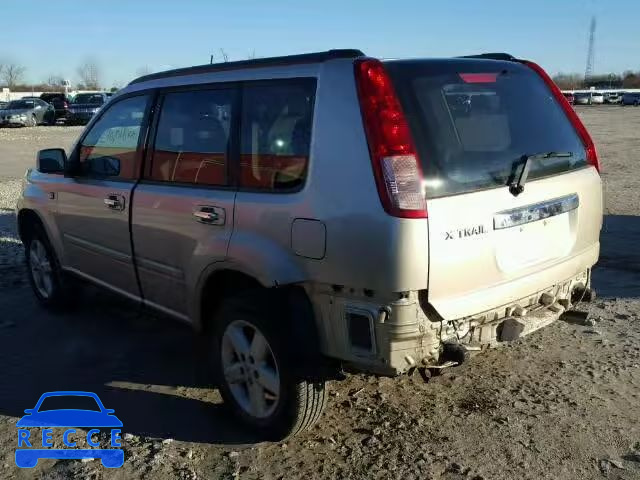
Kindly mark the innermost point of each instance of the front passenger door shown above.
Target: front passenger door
(94, 205)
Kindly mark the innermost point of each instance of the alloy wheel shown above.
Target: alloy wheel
(41, 271)
(250, 369)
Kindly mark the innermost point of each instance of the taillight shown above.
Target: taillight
(394, 158)
(589, 146)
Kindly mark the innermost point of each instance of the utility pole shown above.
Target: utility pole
(588, 71)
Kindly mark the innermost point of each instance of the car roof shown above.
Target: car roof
(315, 57)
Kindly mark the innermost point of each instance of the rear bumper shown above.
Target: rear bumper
(79, 118)
(408, 333)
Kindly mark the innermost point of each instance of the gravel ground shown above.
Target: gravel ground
(562, 403)
(18, 146)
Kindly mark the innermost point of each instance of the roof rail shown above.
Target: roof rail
(316, 57)
(493, 56)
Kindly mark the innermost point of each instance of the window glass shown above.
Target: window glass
(192, 138)
(275, 135)
(92, 98)
(474, 121)
(110, 147)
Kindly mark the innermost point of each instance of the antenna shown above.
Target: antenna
(588, 71)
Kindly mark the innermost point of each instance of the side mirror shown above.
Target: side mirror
(28, 411)
(52, 160)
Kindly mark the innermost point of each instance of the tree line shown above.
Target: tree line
(574, 81)
(12, 76)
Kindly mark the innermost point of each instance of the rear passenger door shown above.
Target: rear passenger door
(183, 211)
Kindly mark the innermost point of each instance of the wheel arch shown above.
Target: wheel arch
(27, 219)
(292, 300)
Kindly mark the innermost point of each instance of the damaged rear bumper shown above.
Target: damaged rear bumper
(408, 333)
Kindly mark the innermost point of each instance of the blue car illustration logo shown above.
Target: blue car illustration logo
(66, 418)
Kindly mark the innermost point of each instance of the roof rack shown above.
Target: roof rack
(493, 56)
(316, 57)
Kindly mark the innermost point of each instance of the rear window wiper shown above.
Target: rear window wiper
(517, 187)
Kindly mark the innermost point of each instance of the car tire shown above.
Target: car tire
(636, 103)
(49, 283)
(258, 376)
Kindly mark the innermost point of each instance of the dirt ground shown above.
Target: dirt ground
(562, 403)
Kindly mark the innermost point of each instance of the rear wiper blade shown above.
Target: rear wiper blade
(517, 187)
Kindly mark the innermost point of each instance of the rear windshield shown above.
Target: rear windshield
(474, 120)
(89, 98)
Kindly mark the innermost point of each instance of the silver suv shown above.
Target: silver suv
(326, 211)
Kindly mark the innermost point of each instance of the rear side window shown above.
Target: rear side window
(275, 135)
(192, 139)
(473, 121)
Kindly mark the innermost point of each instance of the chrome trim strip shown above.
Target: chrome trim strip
(535, 212)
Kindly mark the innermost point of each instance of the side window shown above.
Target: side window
(275, 134)
(110, 149)
(192, 137)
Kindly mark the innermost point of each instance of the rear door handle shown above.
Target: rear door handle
(209, 215)
(114, 201)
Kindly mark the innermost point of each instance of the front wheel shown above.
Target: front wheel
(45, 275)
(257, 373)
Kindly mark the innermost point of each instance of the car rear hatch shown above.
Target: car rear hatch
(477, 125)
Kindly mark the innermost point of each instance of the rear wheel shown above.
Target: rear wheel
(636, 103)
(257, 373)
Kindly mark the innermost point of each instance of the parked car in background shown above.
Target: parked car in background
(582, 98)
(631, 98)
(26, 112)
(60, 102)
(597, 98)
(382, 229)
(84, 107)
(613, 98)
(569, 96)
(3, 105)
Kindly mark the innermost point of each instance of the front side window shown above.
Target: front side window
(276, 134)
(110, 149)
(192, 138)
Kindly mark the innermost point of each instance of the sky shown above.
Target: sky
(126, 36)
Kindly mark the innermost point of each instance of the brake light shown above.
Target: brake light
(581, 130)
(478, 77)
(395, 162)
